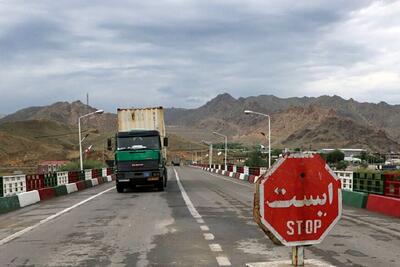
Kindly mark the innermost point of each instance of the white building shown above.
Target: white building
(348, 152)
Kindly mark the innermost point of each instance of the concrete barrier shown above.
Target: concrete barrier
(81, 185)
(28, 198)
(95, 182)
(385, 205)
(8, 204)
(71, 188)
(60, 190)
(354, 199)
(252, 178)
(46, 193)
(88, 183)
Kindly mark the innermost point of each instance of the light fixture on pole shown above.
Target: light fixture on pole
(269, 132)
(100, 111)
(226, 144)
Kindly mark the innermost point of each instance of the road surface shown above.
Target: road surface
(202, 219)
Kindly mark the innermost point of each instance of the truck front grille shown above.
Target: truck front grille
(142, 165)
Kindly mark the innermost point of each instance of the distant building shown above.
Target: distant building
(348, 152)
(352, 159)
(51, 166)
(392, 158)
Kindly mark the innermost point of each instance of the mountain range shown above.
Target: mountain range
(316, 122)
(50, 132)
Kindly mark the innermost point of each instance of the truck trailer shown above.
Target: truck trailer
(140, 148)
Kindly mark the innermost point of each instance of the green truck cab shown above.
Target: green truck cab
(140, 148)
(139, 159)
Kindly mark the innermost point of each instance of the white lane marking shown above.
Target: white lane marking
(307, 262)
(230, 180)
(51, 217)
(200, 221)
(186, 198)
(223, 261)
(204, 228)
(208, 236)
(215, 247)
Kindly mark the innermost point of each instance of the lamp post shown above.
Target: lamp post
(269, 132)
(210, 153)
(226, 144)
(100, 111)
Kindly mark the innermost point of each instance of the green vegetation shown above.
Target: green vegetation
(276, 152)
(335, 159)
(87, 164)
(255, 159)
(230, 146)
(364, 156)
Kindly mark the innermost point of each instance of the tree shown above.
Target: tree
(335, 156)
(276, 152)
(341, 165)
(255, 159)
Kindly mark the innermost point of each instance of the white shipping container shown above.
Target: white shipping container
(142, 119)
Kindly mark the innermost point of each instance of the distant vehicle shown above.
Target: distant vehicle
(176, 161)
(140, 153)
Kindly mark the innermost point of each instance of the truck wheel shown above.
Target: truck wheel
(160, 186)
(120, 188)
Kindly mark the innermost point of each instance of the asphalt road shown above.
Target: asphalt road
(202, 219)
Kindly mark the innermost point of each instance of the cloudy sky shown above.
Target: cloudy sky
(181, 53)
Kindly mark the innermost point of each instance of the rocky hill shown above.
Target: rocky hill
(51, 133)
(296, 122)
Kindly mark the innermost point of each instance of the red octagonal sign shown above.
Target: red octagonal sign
(300, 200)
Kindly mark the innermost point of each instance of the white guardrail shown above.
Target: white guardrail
(346, 178)
(13, 184)
(62, 178)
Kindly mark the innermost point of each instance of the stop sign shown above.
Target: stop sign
(300, 200)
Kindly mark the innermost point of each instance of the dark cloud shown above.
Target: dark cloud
(30, 37)
(135, 53)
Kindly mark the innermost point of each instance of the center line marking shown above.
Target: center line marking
(186, 198)
(223, 261)
(204, 228)
(51, 217)
(208, 236)
(200, 221)
(215, 247)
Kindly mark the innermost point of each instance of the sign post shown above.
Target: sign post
(298, 202)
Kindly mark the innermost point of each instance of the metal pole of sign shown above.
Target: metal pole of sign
(298, 256)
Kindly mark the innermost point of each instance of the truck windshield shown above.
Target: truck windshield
(138, 142)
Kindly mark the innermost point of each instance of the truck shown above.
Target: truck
(140, 148)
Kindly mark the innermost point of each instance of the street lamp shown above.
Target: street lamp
(269, 132)
(100, 111)
(226, 144)
(210, 153)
